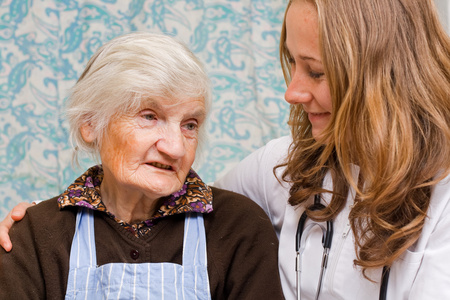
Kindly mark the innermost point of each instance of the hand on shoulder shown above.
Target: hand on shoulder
(15, 215)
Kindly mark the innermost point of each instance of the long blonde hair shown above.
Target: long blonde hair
(387, 63)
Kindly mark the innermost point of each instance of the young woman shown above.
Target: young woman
(369, 85)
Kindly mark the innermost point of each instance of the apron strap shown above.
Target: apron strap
(83, 251)
(194, 242)
(195, 256)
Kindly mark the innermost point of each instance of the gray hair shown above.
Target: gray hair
(123, 73)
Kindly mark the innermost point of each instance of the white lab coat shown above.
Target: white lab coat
(423, 272)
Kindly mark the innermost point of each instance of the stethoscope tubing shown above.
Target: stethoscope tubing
(300, 239)
(326, 242)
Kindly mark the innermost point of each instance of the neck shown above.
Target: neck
(128, 205)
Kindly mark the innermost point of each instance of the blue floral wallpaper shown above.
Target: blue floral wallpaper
(44, 45)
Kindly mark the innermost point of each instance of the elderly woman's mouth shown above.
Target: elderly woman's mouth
(160, 166)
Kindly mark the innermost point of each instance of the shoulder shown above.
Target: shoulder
(438, 216)
(41, 246)
(45, 219)
(274, 152)
(254, 177)
(234, 205)
(440, 199)
(49, 212)
(47, 207)
(241, 244)
(278, 147)
(250, 176)
(236, 215)
(281, 143)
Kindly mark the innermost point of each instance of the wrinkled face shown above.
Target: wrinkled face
(152, 151)
(308, 86)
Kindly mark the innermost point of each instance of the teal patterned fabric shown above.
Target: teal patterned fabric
(45, 44)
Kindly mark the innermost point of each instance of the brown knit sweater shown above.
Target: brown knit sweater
(241, 245)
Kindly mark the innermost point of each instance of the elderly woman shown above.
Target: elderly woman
(142, 224)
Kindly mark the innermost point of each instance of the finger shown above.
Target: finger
(18, 212)
(5, 225)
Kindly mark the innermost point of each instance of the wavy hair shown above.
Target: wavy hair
(126, 71)
(387, 63)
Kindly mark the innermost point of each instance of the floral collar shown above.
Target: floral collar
(194, 196)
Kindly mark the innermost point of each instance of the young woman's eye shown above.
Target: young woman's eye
(315, 75)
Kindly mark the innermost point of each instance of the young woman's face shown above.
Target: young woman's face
(308, 86)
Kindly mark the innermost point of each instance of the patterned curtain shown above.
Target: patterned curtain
(45, 44)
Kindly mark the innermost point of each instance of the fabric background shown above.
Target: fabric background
(45, 44)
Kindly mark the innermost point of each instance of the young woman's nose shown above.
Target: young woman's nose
(172, 143)
(298, 91)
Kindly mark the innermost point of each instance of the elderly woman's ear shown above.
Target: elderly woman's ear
(88, 132)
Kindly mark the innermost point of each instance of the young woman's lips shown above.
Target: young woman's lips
(313, 117)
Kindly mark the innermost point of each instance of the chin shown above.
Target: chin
(318, 136)
(163, 188)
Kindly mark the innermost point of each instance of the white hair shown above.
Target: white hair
(123, 73)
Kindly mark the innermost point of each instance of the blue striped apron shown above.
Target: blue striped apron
(138, 281)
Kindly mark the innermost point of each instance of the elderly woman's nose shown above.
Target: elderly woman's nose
(172, 143)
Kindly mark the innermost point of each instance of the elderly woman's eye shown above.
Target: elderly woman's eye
(149, 117)
(191, 126)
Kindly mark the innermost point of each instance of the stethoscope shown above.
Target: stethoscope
(327, 236)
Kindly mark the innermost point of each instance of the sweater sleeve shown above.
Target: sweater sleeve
(37, 266)
(20, 270)
(243, 247)
(254, 177)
